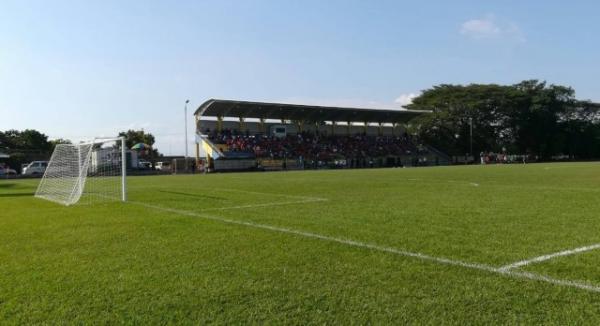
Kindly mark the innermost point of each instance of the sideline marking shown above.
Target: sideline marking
(550, 256)
(439, 260)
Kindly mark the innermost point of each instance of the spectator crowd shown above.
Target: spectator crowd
(316, 147)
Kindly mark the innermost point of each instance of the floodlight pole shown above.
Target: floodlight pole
(123, 170)
(185, 121)
(471, 136)
(186, 133)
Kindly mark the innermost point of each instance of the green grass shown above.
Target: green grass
(173, 261)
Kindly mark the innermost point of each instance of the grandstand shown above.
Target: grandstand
(241, 135)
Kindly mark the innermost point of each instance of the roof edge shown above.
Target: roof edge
(209, 102)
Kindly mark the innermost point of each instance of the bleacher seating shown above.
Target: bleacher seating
(317, 147)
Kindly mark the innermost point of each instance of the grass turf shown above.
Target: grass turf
(130, 263)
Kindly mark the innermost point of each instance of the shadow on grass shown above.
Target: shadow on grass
(18, 194)
(193, 195)
(6, 185)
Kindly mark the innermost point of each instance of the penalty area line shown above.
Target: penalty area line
(543, 258)
(399, 252)
(474, 184)
(265, 204)
(271, 194)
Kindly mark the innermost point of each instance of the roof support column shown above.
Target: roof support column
(332, 128)
(349, 128)
(365, 127)
(262, 125)
(220, 123)
(198, 126)
(299, 126)
(242, 125)
(198, 132)
(380, 130)
(403, 128)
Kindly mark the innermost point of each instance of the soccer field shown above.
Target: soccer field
(474, 244)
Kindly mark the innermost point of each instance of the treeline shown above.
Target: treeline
(26, 140)
(31, 145)
(26, 146)
(530, 117)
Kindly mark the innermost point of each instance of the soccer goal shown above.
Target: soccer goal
(86, 172)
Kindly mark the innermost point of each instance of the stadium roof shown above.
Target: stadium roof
(262, 110)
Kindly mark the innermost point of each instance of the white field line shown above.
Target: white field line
(256, 193)
(496, 184)
(265, 204)
(550, 256)
(543, 278)
(318, 236)
(474, 184)
(271, 194)
(582, 165)
(348, 242)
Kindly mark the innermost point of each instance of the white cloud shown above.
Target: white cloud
(491, 28)
(405, 99)
(480, 28)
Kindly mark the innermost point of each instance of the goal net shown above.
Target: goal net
(86, 172)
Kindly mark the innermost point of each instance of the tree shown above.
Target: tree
(133, 137)
(581, 126)
(454, 107)
(25, 146)
(28, 139)
(529, 117)
(3, 141)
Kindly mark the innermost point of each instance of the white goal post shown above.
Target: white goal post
(89, 171)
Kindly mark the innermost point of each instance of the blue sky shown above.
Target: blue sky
(78, 69)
